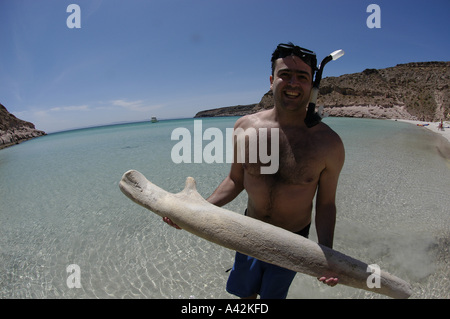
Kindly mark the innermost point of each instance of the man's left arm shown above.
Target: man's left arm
(326, 193)
(325, 219)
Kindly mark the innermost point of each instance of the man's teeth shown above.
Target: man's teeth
(292, 94)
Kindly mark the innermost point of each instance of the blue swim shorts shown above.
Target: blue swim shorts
(251, 276)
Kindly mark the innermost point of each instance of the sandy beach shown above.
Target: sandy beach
(432, 126)
(443, 145)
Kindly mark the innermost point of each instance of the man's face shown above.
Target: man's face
(291, 84)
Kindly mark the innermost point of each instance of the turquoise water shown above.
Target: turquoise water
(60, 204)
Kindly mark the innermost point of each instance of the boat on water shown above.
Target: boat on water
(154, 120)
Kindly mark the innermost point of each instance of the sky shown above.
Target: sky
(130, 60)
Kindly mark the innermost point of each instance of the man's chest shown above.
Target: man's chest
(300, 161)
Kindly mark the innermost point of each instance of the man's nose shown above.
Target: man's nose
(293, 80)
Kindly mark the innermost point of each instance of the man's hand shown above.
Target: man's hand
(171, 223)
(329, 281)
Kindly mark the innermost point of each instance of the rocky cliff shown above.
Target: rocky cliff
(14, 130)
(417, 90)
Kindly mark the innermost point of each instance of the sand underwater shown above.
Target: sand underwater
(60, 205)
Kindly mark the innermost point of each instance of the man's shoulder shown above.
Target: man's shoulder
(329, 138)
(332, 143)
(324, 129)
(254, 120)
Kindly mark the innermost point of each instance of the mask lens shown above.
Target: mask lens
(308, 56)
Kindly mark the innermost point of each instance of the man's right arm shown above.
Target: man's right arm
(228, 190)
(233, 184)
(230, 187)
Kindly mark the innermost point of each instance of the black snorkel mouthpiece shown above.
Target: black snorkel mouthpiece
(312, 117)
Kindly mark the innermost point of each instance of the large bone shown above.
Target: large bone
(189, 210)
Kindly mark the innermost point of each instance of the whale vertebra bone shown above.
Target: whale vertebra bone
(189, 210)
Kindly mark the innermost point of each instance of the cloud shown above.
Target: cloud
(69, 108)
(139, 105)
(59, 118)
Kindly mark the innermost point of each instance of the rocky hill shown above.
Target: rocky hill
(14, 130)
(229, 111)
(417, 90)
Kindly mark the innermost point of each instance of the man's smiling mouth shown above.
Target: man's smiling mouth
(291, 94)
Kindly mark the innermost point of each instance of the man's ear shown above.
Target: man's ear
(271, 82)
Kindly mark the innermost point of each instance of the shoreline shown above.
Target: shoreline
(443, 146)
(432, 126)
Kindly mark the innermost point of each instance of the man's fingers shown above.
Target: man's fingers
(329, 281)
(171, 223)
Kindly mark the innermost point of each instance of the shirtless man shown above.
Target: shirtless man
(310, 160)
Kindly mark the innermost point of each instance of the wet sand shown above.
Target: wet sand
(443, 145)
(432, 126)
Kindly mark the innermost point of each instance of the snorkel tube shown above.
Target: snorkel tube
(312, 117)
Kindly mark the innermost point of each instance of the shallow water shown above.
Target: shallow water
(60, 204)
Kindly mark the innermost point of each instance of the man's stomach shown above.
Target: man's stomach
(284, 205)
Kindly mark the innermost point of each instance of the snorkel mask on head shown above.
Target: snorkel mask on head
(309, 57)
(284, 50)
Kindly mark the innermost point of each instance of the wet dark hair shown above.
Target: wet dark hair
(289, 49)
